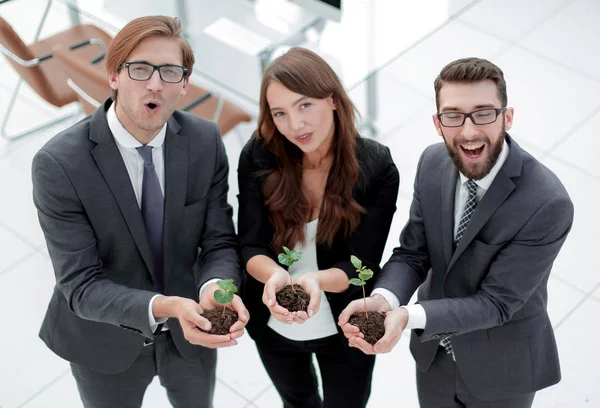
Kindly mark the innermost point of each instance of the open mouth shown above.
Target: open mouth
(152, 107)
(472, 150)
(304, 138)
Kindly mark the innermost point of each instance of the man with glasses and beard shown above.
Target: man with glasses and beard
(486, 223)
(133, 204)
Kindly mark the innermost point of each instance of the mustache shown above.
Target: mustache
(485, 140)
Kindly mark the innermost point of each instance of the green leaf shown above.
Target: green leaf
(223, 283)
(289, 257)
(295, 256)
(284, 260)
(227, 285)
(366, 274)
(356, 262)
(223, 297)
(356, 282)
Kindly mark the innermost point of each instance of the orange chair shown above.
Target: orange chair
(91, 85)
(37, 67)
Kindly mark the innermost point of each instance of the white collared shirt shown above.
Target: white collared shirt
(134, 163)
(416, 314)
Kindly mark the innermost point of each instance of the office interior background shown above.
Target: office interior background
(387, 53)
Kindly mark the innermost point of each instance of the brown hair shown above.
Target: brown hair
(305, 73)
(471, 70)
(138, 30)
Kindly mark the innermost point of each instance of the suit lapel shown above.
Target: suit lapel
(176, 179)
(110, 163)
(449, 177)
(499, 190)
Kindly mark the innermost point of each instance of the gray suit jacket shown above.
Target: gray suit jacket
(98, 313)
(490, 293)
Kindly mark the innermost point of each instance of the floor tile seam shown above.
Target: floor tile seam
(577, 306)
(471, 26)
(44, 388)
(567, 283)
(233, 390)
(573, 130)
(558, 63)
(545, 155)
(414, 45)
(252, 404)
(526, 33)
(25, 258)
(20, 236)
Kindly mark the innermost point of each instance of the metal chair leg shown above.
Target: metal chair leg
(15, 93)
(10, 137)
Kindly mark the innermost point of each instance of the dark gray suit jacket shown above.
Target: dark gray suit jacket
(490, 293)
(98, 314)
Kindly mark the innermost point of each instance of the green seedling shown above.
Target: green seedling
(364, 274)
(288, 258)
(225, 296)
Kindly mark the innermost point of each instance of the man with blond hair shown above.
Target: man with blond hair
(133, 204)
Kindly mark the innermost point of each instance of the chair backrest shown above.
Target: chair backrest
(91, 84)
(230, 117)
(34, 75)
(91, 81)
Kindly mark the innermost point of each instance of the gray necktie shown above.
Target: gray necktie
(153, 206)
(462, 226)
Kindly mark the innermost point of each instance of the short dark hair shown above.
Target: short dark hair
(469, 70)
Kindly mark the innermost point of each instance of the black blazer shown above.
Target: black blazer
(376, 190)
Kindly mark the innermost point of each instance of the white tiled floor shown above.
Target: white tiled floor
(549, 51)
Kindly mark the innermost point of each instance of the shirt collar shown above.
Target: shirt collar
(126, 139)
(486, 182)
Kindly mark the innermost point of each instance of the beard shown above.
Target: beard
(476, 171)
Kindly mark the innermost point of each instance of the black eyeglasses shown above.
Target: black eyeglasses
(142, 71)
(478, 117)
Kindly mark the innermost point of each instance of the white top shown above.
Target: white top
(321, 324)
(416, 314)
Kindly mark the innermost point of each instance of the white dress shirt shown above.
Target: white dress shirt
(321, 324)
(416, 314)
(134, 163)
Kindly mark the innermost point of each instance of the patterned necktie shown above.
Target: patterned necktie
(153, 206)
(468, 211)
(462, 226)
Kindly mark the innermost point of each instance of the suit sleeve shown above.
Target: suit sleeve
(367, 242)
(254, 228)
(409, 264)
(73, 250)
(519, 268)
(218, 256)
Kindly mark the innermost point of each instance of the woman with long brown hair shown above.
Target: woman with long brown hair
(309, 182)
